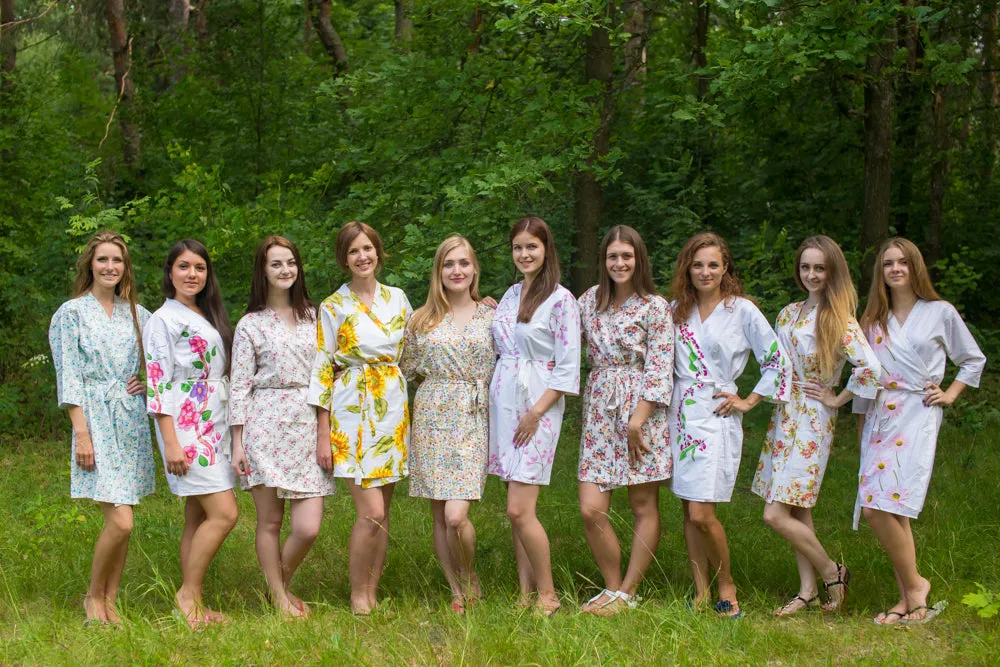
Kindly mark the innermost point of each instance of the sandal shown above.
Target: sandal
(617, 604)
(458, 606)
(843, 579)
(885, 618)
(590, 606)
(930, 613)
(725, 609)
(806, 604)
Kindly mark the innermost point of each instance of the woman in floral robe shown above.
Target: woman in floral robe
(913, 333)
(357, 385)
(628, 331)
(820, 334)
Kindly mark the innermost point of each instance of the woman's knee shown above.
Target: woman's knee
(774, 518)
(703, 519)
(305, 531)
(456, 518)
(593, 515)
(518, 513)
(121, 522)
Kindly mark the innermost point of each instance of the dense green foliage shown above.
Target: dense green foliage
(485, 114)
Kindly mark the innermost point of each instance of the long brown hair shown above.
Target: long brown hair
(682, 290)
(125, 288)
(838, 301)
(642, 275)
(209, 299)
(304, 308)
(549, 275)
(436, 307)
(346, 236)
(880, 298)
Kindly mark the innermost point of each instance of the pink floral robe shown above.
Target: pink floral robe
(631, 355)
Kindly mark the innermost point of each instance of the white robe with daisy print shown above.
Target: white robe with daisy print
(900, 432)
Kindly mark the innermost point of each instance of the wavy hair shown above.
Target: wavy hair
(548, 276)
(304, 308)
(437, 306)
(125, 288)
(209, 299)
(642, 275)
(682, 290)
(880, 298)
(838, 301)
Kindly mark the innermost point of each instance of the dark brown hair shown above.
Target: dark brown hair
(880, 298)
(305, 309)
(346, 236)
(209, 299)
(126, 286)
(682, 290)
(642, 275)
(548, 276)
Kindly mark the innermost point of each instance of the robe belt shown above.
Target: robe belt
(477, 400)
(523, 377)
(724, 387)
(114, 391)
(221, 385)
(617, 390)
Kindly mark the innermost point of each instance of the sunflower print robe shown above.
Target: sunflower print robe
(369, 414)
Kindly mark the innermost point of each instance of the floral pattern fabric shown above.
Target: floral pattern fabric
(270, 387)
(631, 355)
(900, 432)
(522, 376)
(450, 441)
(795, 453)
(185, 379)
(709, 357)
(94, 356)
(369, 412)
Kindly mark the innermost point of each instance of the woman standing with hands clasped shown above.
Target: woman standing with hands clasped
(819, 334)
(97, 348)
(537, 322)
(364, 416)
(187, 344)
(274, 428)
(913, 332)
(629, 335)
(449, 346)
(715, 329)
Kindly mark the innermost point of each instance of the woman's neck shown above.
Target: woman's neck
(189, 301)
(527, 280)
(278, 299)
(622, 293)
(103, 293)
(708, 298)
(903, 299)
(813, 299)
(363, 285)
(459, 300)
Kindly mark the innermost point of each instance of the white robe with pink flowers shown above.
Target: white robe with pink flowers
(900, 432)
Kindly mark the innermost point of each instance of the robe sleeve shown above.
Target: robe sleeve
(961, 347)
(321, 376)
(867, 369)
(241, 375)
(409, 361)
(64, 340)
(159, 347)
(658, 370)
(775, 382)
(564, 323)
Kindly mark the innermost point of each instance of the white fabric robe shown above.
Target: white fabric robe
(709, 357)
(900, 432)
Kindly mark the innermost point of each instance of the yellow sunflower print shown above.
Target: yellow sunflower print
(347, 338)
(340, 444)
(326, 375)
(384, 471)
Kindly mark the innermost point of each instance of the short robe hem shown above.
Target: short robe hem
(692, 499)
(606, 486)
(808, 506)
(444, 497)
(521, 480)
(371, 482)
(117, 502)
(908, 512)
(202, 492)
(286, 494)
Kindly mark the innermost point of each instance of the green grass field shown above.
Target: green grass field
(46, 543)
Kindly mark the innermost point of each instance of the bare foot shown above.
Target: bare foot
(893, 615)
(475, 592)
(797, 604)
(94, 609)
(190, 610)
(361, 606)
(917, 601)
(615, 606)
(526, 599)
(111, 612)
(548, 604)
(299, 605)
(597, 602)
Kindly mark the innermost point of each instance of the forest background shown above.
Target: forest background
(225, 120)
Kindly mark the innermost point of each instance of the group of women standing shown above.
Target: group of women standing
(321, 392)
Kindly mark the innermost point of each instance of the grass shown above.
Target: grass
(46, 544)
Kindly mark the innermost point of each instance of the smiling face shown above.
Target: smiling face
(895, 268)
(620, 262)
(362, 257)
(108, 265)
(188, 275)
(707, 269)
(457, 271)
(812, 270)
(280, 269)
(529, 254)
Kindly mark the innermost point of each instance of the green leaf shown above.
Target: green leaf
(381, 407)
(213, 352)
(186, 387)
(150, 393)
(184, 334)
(198, 365)
(689, 401)
(206, 415)
(693, 368)
(170, 385)
(203, 461)
(975, 600)
(384, 445)
(354, 409)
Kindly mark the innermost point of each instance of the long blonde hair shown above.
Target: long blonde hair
(125, 288)
(880, 299)
(837, 302)
(437, 306)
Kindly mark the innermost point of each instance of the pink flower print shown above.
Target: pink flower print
(154, 372)
(878, 339)
(894, 381)
(809, 449)
(879, 466)
(897, 441)
(869, 495)
(893, 406)
(198, 345)
(199, 391)
(190, 452)
(188, 418)
(897, 494)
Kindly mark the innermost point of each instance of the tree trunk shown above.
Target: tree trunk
(991, 88)
(328, 35)
(700, 43)
(635, 47)
(404, 24)
(475, 23)
(202, 22)
(599, 65)
(939, 172)
(910, 95)
(180, 11)
(121, 53)
(8, 46)
(878, 152)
